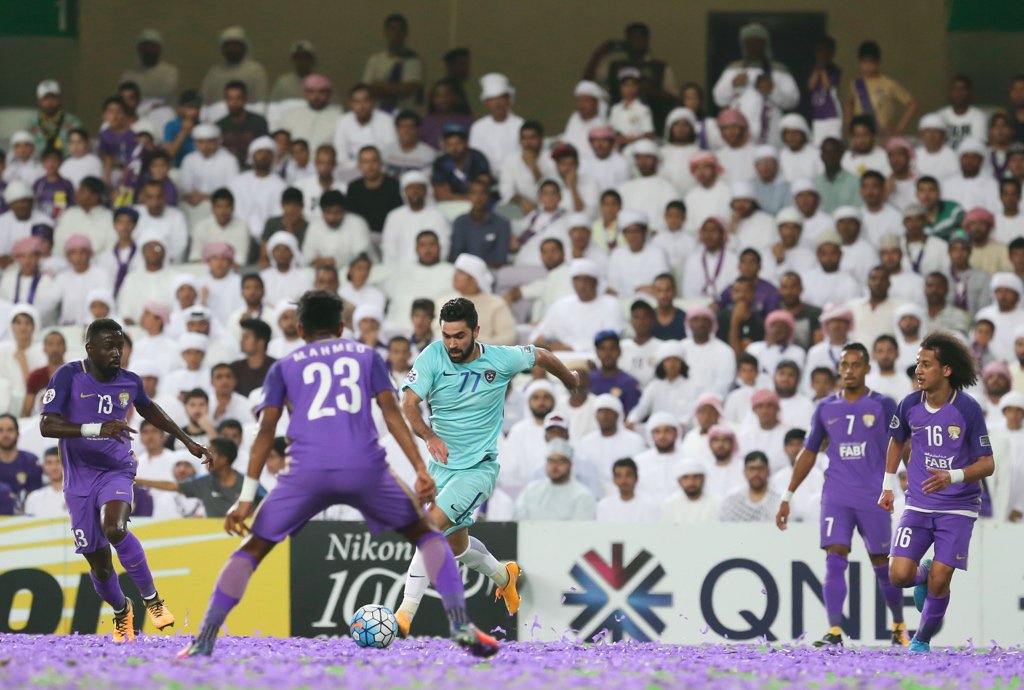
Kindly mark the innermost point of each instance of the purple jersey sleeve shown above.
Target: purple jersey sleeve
(977, 431)
(141, 398)
(58, 392)
(899, 429)
(273, 388)
(379, 379)
(816, 436)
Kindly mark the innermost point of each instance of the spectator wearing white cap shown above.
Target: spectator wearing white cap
(52, 124)
(590, 111)
(427, 277)
(316, 118)
(750, 227)
(405, 223)
(71, 286)
(771, 189)
(973, 186)
(157, 79)
(626, 504)
(634, 264)
(901, 185)
(630, 117)
(19, 356)
(909, 322)
(22, 164)
(692, 504)
(153, 282)
(283, 278)
(610, 441)
(831, 285)
(523, 171)
(671, 391)
(236, 67)
(649, 192)
(196, 370)
(199, 319)
(789, 254)
(258, 191)
(934, 157)
(521, 454)
(680, 146)
(799, 158)
(286, 320)
(474, 281)
(396, 74)
(1005, 314)
(602, 162)
(814, 219)
(572, 321)
(363, 125)
(208, 168)
(711, 196)
(711, 362)
(17, 222)
(859, 256)
(656, 466)
(1011, 433)
(496, 135)
(710, 269)
(156, 215)
(559, 495)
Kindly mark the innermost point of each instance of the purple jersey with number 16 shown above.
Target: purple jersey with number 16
(856, 446)
(949, 438)
(330, 385)
(77, 396)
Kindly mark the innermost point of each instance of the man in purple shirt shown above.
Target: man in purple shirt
(950, 455)
(19, 469)
(329, 386)
(852, 420)
(85, 406)
(609, 378)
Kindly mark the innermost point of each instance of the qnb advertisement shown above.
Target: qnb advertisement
(741, 583)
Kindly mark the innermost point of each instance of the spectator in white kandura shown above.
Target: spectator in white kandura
(789, 253)
(679, 148)
(223, 226)
(337, 237)
(22, 164)
(671, 235)
(707, 412)
(155, 215)
(795, 408)
(813, 219)
(764, 429)
(283, 277)
(547, 220)
(557, 426)
(831, 284)
(656, 466)
(234, 44)
(634, 264)
(363, 125)
(196, 372)
(922, 253)
(496, 135)
(558, 496)
(20, 355)
(591, 111)
(473, 280)
(154, 344)
(934, 157)
(630, 117)
(723, 472)
(48, 501)
(522, 172)
(408, 152)
(572, 320)
(580, 192)
(771, 189)
(24, 282)
(71, 286)
(208, 168)
(737, 152)
(556, 283)
(671, 391)
(901, 185)
(873, 313)
(779, 330)
(603, 163)
(610, 441)
(221, 287)
(523, 449)
(692, 504)
(323, 177)
(404, 224)
(648, 192)
(713, 266)
(1009, 220)
(428, 277)
(626, 504)
(81, 162)
(711, 195)
(17, 222)
(711, 362)
(316, 118)
(756, 502)
(885, 377)
(905, 286)
(287, 322)
(908, 319)
(799, 158)
(226, 403)
(837, 322)
(87, 217)
(258, 190)
(750, 227)
(973, 186)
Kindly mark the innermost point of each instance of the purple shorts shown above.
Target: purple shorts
(385, 502)
(86, 523)
(951, 535)
(873, 523)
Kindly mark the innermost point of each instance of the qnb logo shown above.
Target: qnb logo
(618, 597)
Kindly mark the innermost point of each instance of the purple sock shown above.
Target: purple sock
(444, 575)
(833, 589)
(922, 576)
(231, 584)
(892, 594)
(109, 591)
(133, 558)
(931, 616)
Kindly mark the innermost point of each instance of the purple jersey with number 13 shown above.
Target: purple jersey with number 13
(330, 385)
(949, 438)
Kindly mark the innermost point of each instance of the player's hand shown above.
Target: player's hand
(575, 386)
(198, 450)
(937, 482)
(234, 522)
(426, 489)
(885, 501)
(782, 517)
(117, 430)
(438, 449)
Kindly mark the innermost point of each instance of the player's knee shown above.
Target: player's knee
(115, 532)
(901, 577)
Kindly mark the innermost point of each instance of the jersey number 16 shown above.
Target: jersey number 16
(346, 370)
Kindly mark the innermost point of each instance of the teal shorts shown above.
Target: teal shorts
(460, 492)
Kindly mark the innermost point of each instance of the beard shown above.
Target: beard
(463, 355)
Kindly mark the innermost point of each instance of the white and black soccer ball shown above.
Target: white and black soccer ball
(373, 626)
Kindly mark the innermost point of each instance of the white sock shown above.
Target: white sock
(478, 558)
(416, 583)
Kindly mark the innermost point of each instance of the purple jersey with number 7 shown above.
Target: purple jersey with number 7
(77, 396)
(330, 386)
(949, 438)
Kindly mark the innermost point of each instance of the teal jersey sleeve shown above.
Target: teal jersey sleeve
(420, 378)
(511, 359)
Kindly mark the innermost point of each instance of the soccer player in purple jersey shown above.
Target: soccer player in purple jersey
(853, 422)
(334, 457)
(950, 454)
(85, 406)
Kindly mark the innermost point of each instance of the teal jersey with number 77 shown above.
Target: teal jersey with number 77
(467, 401)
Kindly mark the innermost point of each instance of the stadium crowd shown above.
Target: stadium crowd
(702, 272)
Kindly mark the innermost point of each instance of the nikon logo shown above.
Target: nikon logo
(363, 547)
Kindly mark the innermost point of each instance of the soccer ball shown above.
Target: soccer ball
(373, 626)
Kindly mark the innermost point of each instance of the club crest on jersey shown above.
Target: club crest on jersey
(894, 423)
(490, 375)
(123, 398)
(953, 431)
(21, 478)
(869, 420)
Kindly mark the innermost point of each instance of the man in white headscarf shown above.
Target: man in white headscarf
(496, 135)
(648, 192)
(760, 88)
(152, 282)
(234, 45)
(208, 168)
(404, 224)
(258, 191)
(474, 281)
(522, 453)
(591, 111)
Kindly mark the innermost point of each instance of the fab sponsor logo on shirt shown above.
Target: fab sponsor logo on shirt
(853, 451)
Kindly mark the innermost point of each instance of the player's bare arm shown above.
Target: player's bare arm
(234, 521)
(976, 471)
(155, 415)
(554, 366)
(411, 408)
(893, 456)
(804, 463)
(53, 425)
(425, 487)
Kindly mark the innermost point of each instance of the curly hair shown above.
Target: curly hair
(953, 353)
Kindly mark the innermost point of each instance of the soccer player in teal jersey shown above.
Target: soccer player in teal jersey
(464, 383)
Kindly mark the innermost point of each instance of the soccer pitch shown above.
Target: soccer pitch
(91, 661)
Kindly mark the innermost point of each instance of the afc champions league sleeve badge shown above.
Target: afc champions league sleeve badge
(123, 398)
(48, 396)
(412, 376)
